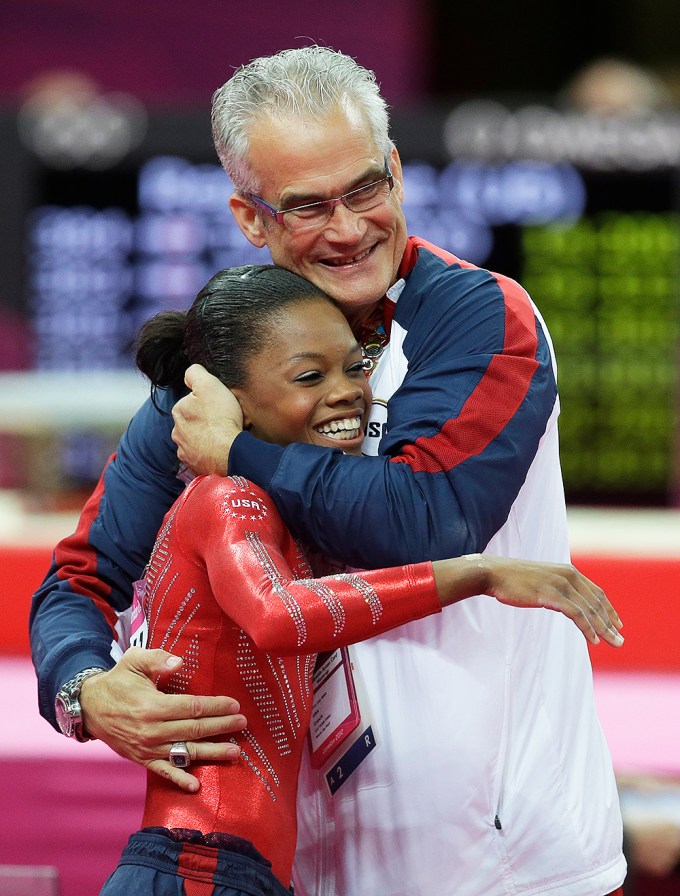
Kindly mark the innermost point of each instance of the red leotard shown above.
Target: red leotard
(230, 590)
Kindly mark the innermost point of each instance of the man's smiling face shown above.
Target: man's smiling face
(354, 257)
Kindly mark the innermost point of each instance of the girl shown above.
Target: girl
(230, 590)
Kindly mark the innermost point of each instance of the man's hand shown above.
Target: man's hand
(206, 423)
(123, 708)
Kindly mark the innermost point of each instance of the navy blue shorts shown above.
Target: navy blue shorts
(156, 862)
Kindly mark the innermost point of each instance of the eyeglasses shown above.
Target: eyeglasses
(316, 214)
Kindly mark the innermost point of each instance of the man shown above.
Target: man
(491, 775)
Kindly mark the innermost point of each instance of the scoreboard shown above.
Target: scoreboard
(608, 287)
(596, 245)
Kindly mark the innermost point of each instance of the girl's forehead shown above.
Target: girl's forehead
(314, 311)
(315, 326)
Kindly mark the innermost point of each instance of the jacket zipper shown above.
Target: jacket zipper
(502, 747)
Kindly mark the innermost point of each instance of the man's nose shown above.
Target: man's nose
(344, 224)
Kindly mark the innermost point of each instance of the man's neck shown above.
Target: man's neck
(366, 319)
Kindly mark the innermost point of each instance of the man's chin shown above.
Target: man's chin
(352, 293)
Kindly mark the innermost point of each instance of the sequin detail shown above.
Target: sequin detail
(254, 743)
(278, 669)
(276, 579)
(305, 668)
(239, 481)
(160, 580)
(300, 566)
(365, 590)
(332, 603)
(180, 681)
(258, 773)
(242, 504)
(255, 684)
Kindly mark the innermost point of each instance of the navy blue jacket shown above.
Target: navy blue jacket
(461, 433)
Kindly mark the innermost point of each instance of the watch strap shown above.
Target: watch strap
(69, 696)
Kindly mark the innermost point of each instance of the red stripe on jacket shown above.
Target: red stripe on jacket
(497, 396)
(76, 559)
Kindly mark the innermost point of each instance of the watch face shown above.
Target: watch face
(64, 719)
(67, 705)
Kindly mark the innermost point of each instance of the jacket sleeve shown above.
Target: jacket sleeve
(262, 581)
(75, 610)
(462, 431)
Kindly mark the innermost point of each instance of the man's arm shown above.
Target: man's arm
(207, 421)
(74, 612)
(462, 432)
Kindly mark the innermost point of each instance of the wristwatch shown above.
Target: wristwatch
(67, 705)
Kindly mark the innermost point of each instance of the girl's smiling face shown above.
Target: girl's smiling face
(307, 383)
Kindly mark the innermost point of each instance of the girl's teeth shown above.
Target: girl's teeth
(342, 429)
(342, 435)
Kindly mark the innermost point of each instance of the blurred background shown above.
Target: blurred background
(540, 140)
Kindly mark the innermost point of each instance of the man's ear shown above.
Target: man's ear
(398, 174)
(248, 219)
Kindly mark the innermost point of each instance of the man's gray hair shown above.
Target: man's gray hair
(309, 82)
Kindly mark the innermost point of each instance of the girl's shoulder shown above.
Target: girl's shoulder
(238, 498)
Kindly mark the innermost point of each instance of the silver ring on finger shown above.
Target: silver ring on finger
(179, 755)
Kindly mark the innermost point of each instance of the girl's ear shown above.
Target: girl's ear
(242, 399)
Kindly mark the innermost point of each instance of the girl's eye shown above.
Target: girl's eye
(308, 377)
(356, 368)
